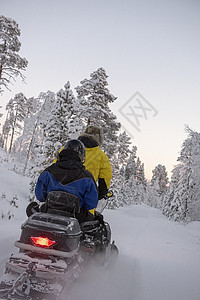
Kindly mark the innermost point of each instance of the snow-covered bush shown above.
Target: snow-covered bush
(8, 206)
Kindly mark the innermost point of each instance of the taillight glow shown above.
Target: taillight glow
(42, 241)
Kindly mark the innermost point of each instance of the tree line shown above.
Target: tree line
(36, 128)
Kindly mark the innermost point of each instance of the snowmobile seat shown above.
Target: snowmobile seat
(62, 203)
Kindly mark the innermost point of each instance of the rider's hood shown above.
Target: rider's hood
(66, 171)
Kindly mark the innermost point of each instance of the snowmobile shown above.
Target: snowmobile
(54, 249)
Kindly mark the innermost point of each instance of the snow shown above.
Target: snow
(159, 259)
(12, 184)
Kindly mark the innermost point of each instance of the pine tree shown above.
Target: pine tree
(160, 179)
(93, 101)
(172, 200)
(0, 113)
(190, 171)
(131, 193)
(140, 175)
(1, 141)
(189, 182)
(21, 144)
(183, 201)
(17, 110)
(123, 149)
(59, 128)
(34, 131)
(5, 132)
(11, 64)
(130, 168)
(117, 186)
(134, 183)
(158, 186)
(60, 125)
(36, 147)
(1, 138)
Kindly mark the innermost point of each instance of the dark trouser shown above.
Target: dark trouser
(84, 216)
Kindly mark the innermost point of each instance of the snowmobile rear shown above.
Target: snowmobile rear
(54, 249)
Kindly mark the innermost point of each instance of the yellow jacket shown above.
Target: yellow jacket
(97, 163)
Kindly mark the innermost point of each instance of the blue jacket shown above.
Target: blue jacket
(68, 176)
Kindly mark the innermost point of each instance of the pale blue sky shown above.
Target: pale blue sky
(147, 46)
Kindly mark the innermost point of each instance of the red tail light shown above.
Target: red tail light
(42, 241)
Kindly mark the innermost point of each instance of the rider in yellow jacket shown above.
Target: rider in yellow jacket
(96, 161)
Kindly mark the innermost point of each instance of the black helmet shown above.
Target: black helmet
(78, 147)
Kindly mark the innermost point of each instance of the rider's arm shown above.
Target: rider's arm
(105, 175)
(90, 196)
(41, 187)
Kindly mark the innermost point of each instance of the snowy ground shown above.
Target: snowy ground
(159, 259)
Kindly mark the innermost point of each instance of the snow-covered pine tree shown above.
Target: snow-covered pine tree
(94, 98)
(1, 141)
(194, 205)
(47, 101)
(121, 155)
(119, 196)
(133, 190)
(141, 181)
(37, 123)
(140, 175)
(123, 149)
(60, 126)
(172, 200)
(17, 111)
(0, 113)
(185, 198)
(11, 64)
(160, 179)
(35, 153)
(1, 138)
(22, 142)
(130, 168)
(118, 166)
(5, 133)
(159, 185)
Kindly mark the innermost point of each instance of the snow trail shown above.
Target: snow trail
(159, 259)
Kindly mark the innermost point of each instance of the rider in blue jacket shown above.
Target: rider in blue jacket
(69, 175)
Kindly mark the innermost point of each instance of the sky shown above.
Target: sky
(149, 49)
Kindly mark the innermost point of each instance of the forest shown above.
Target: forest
(36, 128)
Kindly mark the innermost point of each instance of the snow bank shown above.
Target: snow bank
(12, 186)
